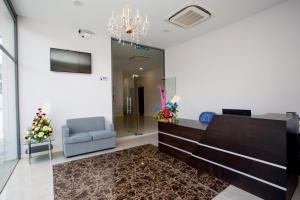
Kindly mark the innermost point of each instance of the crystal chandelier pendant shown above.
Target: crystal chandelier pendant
(127, 26)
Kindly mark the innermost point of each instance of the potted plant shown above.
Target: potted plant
(40, 128)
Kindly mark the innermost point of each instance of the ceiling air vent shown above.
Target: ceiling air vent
(189, 16)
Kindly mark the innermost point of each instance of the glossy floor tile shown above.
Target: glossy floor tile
(234, 193)
(6, 168)
(141, 172)
(131, 125)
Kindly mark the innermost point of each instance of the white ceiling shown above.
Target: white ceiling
(93, 15)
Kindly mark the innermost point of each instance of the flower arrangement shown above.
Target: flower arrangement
(40, 128)
(168, 111)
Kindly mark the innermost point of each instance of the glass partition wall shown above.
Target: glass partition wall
(138, 71)
(9, 136)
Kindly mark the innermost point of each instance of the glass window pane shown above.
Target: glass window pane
(8, 122)
(7, 29)
(170, 84)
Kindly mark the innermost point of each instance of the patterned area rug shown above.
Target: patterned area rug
(138, 173)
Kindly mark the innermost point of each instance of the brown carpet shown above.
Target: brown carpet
(137, 173)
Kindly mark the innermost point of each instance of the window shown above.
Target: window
(7, 29)
(9, 126)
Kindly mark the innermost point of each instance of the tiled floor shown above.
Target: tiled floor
(130, 125)
(35, 181)
(141, 172)
(5, 170)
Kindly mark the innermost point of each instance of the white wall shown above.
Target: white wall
(70, 95)
(252, 64)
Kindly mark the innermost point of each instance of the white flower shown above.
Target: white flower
(175, 99)
(41, 134)
(45, 128)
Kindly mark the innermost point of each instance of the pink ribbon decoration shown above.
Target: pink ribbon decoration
(162, 97)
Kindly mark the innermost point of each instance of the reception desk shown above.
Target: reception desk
(257, 154)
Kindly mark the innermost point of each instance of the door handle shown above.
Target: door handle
(130, 106)
(127, 105)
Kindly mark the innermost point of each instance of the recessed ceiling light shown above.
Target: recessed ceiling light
(77, 3)
(141, 68)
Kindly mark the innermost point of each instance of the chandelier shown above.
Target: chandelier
(127, 26)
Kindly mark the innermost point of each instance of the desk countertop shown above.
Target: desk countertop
(189, 123)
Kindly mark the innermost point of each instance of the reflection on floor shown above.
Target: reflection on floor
(128, 125)
(6, 168)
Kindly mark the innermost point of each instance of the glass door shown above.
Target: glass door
(137, 73)
(131, 115)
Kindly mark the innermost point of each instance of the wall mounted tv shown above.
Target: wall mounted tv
(70, 61)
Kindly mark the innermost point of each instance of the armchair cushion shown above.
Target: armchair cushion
(77, 138)
(99, 135)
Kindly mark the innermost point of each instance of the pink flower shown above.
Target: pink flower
(162, 97)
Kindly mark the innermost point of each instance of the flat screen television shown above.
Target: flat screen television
(70, 61)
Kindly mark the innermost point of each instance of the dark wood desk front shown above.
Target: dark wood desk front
(257, 154)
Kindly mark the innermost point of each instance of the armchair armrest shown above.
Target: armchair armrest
(65, 131)
(109, 126)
